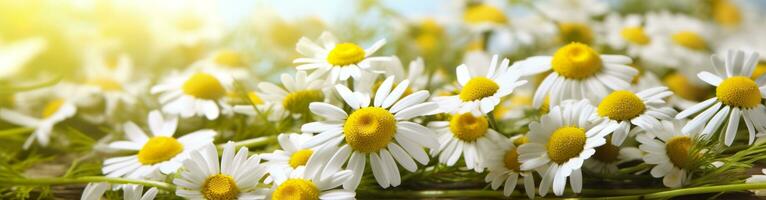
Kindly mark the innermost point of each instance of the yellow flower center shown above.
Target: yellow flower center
(575, 32)
(512, 160)
(254, 98)
(220, 187)
(726, 13)
(760, 69)
(576, 61)
(369, 129)
(678, 150)
(477, 88)
(300, 157)
(484, 14)
(106, 84)
(52, 107)
(345, 54)
(467, 127)
(159, 149)
(566, 143)
(296, 189)
(229, 58)
(689, 40)
(204, 86)
(680, 85)
(621, 105)
(607, 153)
(521, 140)
(298, 102)
(635, 35)
(739, 91)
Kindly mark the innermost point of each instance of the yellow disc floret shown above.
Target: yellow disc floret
(220, 187)
(300, 158)
(296, 189)
(298, 101)
(345, 54)
(689, 40)
(52, 107)
(681, 86)
(726, 13)
(229, 58)
(106, 84)
(565, 143)
(575, 32)
(635, 35)
(204, 86)
(467, 127)
(159, 149)
(511, 160)
(576, 61)
(477, 88)
(621, 105)
(483, 13)
(678, 148)
(369, 129)
(739, 91)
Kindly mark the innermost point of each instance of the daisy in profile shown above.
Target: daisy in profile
(302, 184)
(669, 150)
(559, 144)
(253, 105)
(737, 96)
(53, 112)
(504, 169)
(235, 176)
(110, 77)
(94, 191)
(158, 151)
(199, 93)
(292, 155)
(467, 135)
(226, 61)
(341, 60)
(382, 132)
(608, 156)
(579, 72)
(644, 109)
(296, 95)
(480, 93)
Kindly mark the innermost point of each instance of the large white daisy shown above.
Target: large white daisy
(381, 131)
(669, 150)
(644, 109)
(302, 184)
(53, 112)
(467, 135)
(195, 93)
(737, 96)
(160, 150)
(341, 60)
(234, 176)
(504, 169)
(560, 143)
(481, 92)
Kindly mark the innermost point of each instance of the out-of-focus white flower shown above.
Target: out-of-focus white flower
(13, 56)
(194, 93)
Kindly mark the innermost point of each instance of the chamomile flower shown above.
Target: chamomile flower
(188, 25)
(669, 150)
(560, 142)
(643, 109)
(484, 16)
(296, 95)
(341, 60)
(158, 151)
(94, 191)
(737, 96)
(579, 72)
(609, 156)
(198, 93)
(684, 41)
(110, 77)
(234, 176)
(504, 169)
(381, 131)
(292, 155)
(688, 90)
(245, 106)
(302, 184)
(226, 61)
(628, 33)
(479, 92)
(572, 10)
(467, 135)
(395, 68)
(52, 113)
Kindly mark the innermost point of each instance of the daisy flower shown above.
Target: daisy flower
(226, 61)
(234, 176)
(245, 106)
(53, 112)
(684, 41)
(190, 24)
(608, 156)
(110, 77)
(479, 92)
(467, 135)
(341, 60)
(381, 131)
(669, 150)
(579, 72)
(199, 93)
(504, 169)
(577, 10)
(302, 184)
(629, 33)
(484, 16)
(560, 142)
(296, 95)
(737, 96)
(395, 68)
(160, 150)
(645, 109)
(292, 155)
(94, 191)
(688, 90)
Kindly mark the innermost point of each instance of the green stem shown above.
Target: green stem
(254, 142)
(87, 179)
(705, 189)
(492, 122)
(15, 131)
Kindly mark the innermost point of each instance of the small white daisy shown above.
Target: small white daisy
(94, 191)
(682, 41)
(644, 109)
(302, 184)
(669, 152)
(579, 72)
(292, 154)
(504, 169)
(341, 60)
(198, 93)
(294, 98)
(226, 61)
(381, 131)
(560, 143)
(467, 135)
(629, 33)
(254, 106)
(737, 96)
(234, 176)
(480, 92)
(111, 78)
(160, 150)
(54, 112)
